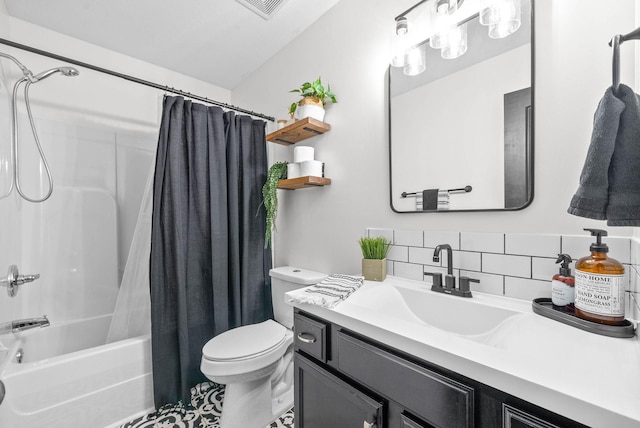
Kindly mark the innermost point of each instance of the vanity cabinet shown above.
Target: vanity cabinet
(343, 379)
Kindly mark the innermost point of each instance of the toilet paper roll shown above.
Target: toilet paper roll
(293, 170)
(311, 167)
(302, 153)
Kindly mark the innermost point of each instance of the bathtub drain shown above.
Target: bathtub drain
(19, 356)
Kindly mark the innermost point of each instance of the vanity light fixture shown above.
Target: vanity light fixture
(400, 42)
(449, 37)
(502, 17)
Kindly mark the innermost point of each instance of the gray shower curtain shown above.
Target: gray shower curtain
(209, 271)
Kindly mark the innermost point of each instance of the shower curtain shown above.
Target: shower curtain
(209, 271)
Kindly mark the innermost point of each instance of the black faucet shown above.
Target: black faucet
(449, 280)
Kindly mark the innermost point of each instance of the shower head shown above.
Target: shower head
(66, 71)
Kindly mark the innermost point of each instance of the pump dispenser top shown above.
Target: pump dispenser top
(598, 246)
(564, 260)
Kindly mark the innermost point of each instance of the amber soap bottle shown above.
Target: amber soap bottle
(599, 284)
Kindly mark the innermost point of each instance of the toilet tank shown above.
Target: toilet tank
(284, 279)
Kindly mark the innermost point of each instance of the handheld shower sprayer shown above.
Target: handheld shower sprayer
(28, 79)
(65, 71)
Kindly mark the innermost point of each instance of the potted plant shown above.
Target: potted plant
(374, 257)
(277, 172)
(314, 97)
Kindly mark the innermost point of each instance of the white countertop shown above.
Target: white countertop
(586, 377)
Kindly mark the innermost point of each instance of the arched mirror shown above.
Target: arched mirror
(461, 106)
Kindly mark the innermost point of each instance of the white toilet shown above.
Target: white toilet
(255, 361)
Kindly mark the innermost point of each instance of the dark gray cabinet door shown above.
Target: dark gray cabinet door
(323, 400)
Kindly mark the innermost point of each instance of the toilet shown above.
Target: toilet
(255, 362)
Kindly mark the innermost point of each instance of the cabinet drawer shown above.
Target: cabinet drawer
(516, 418)
(310, 336)
(408, 422)
(439, 400)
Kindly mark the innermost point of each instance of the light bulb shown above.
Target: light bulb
(454, 44)
(416, 58)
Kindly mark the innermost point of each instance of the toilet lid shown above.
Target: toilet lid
(245, 342)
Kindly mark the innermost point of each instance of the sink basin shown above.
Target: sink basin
(421, 306)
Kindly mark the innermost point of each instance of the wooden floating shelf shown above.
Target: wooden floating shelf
(303, 182)
(298, 131)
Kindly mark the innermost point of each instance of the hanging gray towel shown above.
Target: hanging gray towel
(624, 172)
(430, 200)
(592, 197)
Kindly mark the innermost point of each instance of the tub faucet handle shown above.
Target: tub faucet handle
(14, 280)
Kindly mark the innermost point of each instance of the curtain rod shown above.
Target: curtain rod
(133, 79)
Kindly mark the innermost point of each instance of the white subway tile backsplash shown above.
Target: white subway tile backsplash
(385, 233)
(422, 256)
(634, 279)
(506, 265)
(464, 260)
(635, 252)
(398, 253)
(531, 244)
(632, 309)
(492, 284)
(527, 289)
(518, 265)
(482, 241)
(578, 247)
(408, 271)
(411, 238)
(545, 269)
(434, 238)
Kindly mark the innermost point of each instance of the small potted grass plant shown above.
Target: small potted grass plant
(374, 257)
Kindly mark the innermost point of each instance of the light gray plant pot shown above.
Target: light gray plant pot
(374, 270)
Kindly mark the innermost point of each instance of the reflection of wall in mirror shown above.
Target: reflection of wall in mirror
(457, 140)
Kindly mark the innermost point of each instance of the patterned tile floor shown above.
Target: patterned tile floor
(204, 412)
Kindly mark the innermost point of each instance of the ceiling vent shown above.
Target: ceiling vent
(265, 8)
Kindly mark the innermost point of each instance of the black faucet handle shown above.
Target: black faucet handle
(437, 278)
(464, 283)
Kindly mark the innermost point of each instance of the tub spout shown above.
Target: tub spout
(25, 324)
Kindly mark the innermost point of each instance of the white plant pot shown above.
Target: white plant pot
(309, 110)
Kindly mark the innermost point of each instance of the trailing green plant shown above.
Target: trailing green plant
(375, 248)
(277, 172)
(314, 90)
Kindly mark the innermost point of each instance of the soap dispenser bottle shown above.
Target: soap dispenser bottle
(599, 285)
(562, 284)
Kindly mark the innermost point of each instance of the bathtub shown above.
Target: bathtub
(68, 378)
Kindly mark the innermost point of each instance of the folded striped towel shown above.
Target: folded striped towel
(328, 292)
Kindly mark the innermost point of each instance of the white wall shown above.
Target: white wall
(349, 47)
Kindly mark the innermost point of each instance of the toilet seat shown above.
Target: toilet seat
(245, 349)
(245, 342)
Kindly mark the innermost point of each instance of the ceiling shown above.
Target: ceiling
(218, 41)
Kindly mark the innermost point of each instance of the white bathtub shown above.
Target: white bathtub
(68, 378)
